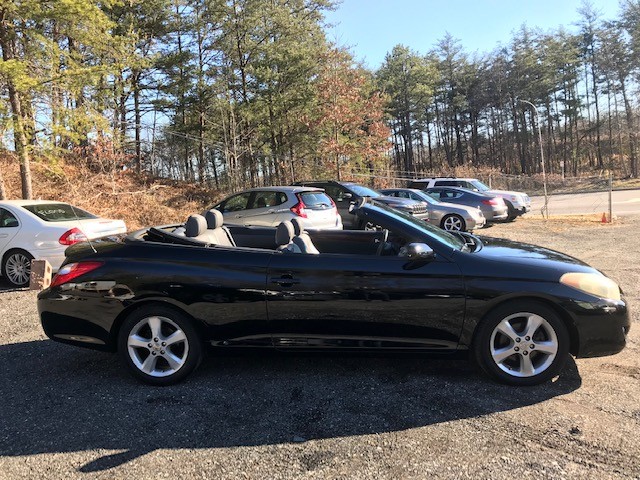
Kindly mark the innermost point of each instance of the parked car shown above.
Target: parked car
(493, 208)
(447, 216)
(346, 194)
(43, 229)
(518, 203)
(157, 298)
(268, 206)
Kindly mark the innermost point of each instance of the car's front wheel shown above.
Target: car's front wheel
(521, 343)
(16, 267)
(159, 345)
(453, 223)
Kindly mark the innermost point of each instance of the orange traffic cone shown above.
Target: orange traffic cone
(604, 218)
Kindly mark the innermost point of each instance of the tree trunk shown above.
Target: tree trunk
(3, 190)
(135, 85)
(20, 138)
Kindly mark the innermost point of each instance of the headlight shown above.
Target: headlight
(592, 283)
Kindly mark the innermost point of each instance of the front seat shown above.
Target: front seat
(302, 238)
(195, 226)
(217, 233)
(284, 238)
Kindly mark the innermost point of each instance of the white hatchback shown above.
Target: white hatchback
(268, 206)
(42, 229)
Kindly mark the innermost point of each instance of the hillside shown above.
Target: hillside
(139, 200)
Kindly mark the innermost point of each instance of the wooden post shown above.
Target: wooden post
(40, 275)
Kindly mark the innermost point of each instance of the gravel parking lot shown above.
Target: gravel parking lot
(74, 413)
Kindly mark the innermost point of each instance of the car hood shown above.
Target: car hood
(504, 193)
(528, 261)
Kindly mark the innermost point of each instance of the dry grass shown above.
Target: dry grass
(139, 201)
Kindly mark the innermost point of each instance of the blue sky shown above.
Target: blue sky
(371, 28)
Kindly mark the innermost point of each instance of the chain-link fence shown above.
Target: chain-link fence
(565, 195)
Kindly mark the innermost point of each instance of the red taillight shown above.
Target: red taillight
(72, 236)
(73, 270)
(493, 201)
(299, 207)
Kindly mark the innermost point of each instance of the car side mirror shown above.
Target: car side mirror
(417, 251)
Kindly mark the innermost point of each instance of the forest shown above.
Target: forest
(238, 93)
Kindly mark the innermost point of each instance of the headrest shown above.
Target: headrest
(214, 218)
(298, 226)
(196, 225)
(284, 233)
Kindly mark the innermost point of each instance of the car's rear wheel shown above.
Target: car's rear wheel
(453, 223)
(16, 267)
(521, 343)
(159, 345)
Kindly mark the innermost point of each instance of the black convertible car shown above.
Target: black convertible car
(160, 295)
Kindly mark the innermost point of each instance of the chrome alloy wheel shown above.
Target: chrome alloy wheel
(523, 345)
(17, 268)
(452, 223)
(157, 346)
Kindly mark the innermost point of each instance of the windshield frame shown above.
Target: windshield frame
(422, 228)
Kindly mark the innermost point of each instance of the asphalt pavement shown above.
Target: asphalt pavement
(624, 203)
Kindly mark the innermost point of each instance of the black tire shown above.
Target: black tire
(16, 267)
(512, 213)
(137, 343)
(526, 365)
(453, 223)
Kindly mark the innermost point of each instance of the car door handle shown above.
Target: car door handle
(237, 215)
(285, 281)
(4, 235)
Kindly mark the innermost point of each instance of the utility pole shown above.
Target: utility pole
(545, 208)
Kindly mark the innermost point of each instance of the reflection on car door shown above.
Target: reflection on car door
(9, 227)
(364, 301)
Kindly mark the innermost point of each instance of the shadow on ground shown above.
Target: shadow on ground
(62, 399)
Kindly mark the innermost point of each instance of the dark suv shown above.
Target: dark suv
(345, 193)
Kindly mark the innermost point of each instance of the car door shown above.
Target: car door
(343, 199)
(364, 301)
(265, 208)
(234, 208)
(9, 227)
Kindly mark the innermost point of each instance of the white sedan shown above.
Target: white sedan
(42, 229)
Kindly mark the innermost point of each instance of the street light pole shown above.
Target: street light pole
(545, 208)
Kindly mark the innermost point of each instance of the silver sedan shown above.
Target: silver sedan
(446, 215)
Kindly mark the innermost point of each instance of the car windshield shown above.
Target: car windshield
(364, 191)
(438, 234)
(479, 185)
(57, 212)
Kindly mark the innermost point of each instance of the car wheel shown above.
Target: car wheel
(453, 223)
(512, 213)
(523, 343)
(16, 267)
(159, 345)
